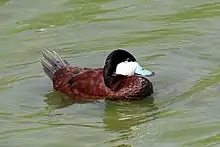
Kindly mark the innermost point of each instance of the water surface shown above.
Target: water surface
(179, 40)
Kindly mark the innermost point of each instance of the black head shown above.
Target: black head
(113, 59)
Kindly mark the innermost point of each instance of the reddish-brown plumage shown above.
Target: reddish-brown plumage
(82, 83)
(101, 83)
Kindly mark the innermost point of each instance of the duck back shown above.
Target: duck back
(88, 84)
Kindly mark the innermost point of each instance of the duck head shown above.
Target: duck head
(121, 62)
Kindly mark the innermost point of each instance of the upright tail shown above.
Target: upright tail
(52, 62)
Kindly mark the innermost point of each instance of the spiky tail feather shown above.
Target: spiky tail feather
(52, 62)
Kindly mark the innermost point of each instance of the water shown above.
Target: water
(179, 40)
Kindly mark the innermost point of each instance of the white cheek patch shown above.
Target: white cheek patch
(126, 68)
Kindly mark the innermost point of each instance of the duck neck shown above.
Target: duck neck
(108, 76)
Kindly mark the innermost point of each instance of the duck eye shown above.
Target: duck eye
(128, 59)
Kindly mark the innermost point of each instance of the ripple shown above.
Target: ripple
(193, 13)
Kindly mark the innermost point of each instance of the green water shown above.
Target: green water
(179, 40)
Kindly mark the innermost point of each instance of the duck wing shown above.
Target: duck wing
(89, 84)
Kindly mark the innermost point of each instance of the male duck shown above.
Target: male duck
(121, 78)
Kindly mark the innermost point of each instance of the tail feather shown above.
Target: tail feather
(52, 62)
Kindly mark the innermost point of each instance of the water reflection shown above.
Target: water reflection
(58, 100)
(119, 116)
(123, 117)
(126, 117)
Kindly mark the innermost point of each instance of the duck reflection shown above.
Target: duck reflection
(118, 115)
(121, 117)
(57, 100)
(125, 117)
